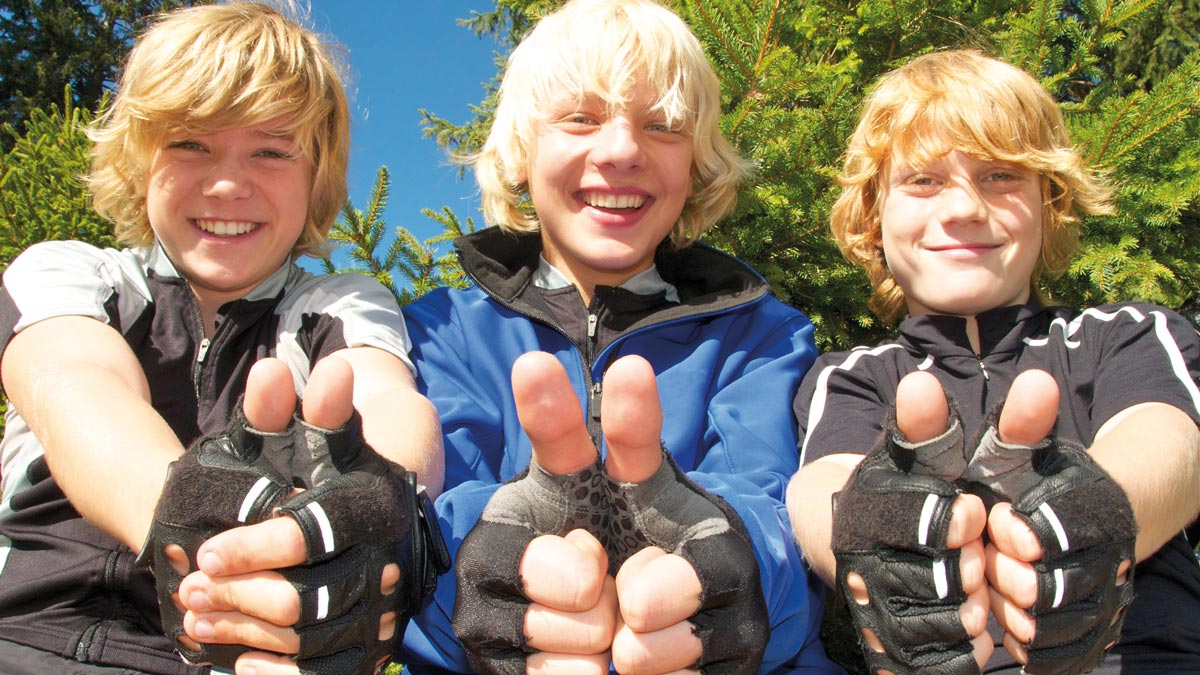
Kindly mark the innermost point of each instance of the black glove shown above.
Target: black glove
(224, 480)
(667, 510)
(1085, 525)
(359, 513)
(890, 525)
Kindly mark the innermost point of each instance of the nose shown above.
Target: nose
(962, 203)
(619, 145)
(228, 178)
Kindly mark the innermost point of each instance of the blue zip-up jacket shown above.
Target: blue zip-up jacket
(728, 358)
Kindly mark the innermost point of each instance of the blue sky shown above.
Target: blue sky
(405, 55)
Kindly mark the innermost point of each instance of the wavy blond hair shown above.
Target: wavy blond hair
(215, 67)
(965, 101)
(601, 48)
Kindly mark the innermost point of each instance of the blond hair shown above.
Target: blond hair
(601, 48)
(215, 67)
(965, 101)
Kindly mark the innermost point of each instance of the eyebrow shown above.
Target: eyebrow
(287, 136)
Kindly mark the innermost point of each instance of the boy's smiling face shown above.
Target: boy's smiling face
(608, 186)
(961, 235)
(228, 206)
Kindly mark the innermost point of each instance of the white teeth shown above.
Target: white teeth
(226, 228)
(611, 201)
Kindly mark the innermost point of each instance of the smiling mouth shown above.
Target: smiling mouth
(611, 201)
(225, 228)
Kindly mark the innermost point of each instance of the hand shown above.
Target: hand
(658, 592)
(902, 531)
(329, 609)
(515, 594)
(651, 522)
(1060, 606)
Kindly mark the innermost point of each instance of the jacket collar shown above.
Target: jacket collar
(1001, 330)
(504, 266)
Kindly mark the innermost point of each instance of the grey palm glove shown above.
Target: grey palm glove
(490, 604)
(359, 513)
(890, 526)
(1085, 525)
(667, 510)
(673, 513)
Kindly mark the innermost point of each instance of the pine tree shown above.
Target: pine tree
(420, 265)
(42, 196)
(46, 45)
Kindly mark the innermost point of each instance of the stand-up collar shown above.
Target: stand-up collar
(1002, 329)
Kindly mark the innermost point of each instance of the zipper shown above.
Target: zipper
(984, 370)
(202, 350)
(594, 388)
(592, 321)
(86, 640)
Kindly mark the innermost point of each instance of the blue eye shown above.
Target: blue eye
(186, 144)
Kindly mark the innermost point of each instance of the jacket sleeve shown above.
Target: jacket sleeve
(474, 443)
(750, 454)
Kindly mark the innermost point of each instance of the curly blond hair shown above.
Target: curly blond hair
(961, 100)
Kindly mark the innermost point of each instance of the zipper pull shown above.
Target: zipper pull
(592, 320)
(594, 401)
(984, 369)
(203, 351)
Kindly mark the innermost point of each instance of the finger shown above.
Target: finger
(264, 595)
(1030, 409)
(1014, 647)
(270, 396)
(1016, 580)
(268, 545)
(178, 559)
(921, 409)
(234, 628)
(968, 517)
(545, 663)
(631, 418)
(982, 648)
(972, 565)
(1015, 622)
(858, 588)
(659, 591)
(1012, 535)
(663, 651)
(549, 411)
(261, 663)
(636, 562)
(587, 632)
(564, 573)
(974, 612)
(329, 394)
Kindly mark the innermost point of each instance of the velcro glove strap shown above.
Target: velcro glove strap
(362, 513)
(489, 608)
(223, 480)
(1085, 524)
(890, 525)
(671, 512)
